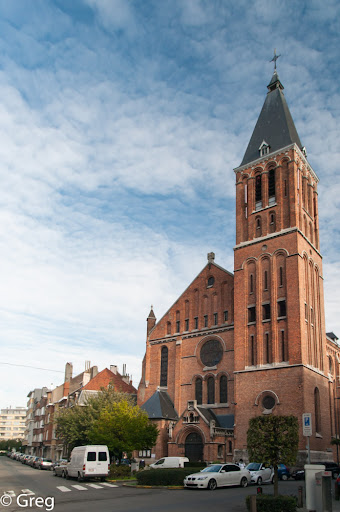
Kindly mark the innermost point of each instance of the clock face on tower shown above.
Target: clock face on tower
(211, 353)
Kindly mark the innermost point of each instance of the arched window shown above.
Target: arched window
(198, 390)
(258, 226)
(164, 366)
(271, 186)
(251, 283)
(258, 191)
(223, 389)
(168, 328)
(272, 223)
(211, 390)
(317, 410)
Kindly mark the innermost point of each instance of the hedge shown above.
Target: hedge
(270, 503)
(173, 476)
(119, 471)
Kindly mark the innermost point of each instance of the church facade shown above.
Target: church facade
(237, 345)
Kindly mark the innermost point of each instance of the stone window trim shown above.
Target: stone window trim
(262, 395)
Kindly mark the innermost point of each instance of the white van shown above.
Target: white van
(170, 462)
(90, 461)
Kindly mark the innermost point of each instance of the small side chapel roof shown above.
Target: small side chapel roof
(160, 406)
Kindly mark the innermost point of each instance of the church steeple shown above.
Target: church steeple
(275, 125)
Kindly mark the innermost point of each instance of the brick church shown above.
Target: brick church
(238, 345)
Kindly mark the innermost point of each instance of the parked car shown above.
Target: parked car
(298, 474)
(260, 473)
(283, 472)
(218, 475)
(333, 467)
(43, 463)
(60, 468)
(60, 462)
(34, 462)
(170, 462)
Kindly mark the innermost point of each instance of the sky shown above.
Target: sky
(120, 125)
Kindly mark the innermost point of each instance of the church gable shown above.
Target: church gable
(206, 303)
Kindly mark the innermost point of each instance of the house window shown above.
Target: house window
(265, 311)
(168, 328)
(186, 324)
(220, 451)
(205, 320)
(283, 347)
(225, 316)
(281, 277)
(196, 322)
(211, 390)
(251, 314)
(215, 318)
(223, 389)
(281, 305)
(164, 367)
(178, 326)
(198, 390)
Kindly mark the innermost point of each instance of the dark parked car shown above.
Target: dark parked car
(298, 474)
(283, 472)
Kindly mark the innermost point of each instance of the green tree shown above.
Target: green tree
(123, 428)
(273, 440)
(86, 424)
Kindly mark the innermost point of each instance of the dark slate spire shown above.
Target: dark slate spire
(275, 125)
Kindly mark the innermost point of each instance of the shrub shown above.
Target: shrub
(270, 503)
(122, 471)
(173, 476)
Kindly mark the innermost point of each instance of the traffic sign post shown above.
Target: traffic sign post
(307, 429)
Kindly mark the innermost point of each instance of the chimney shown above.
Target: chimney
(86, 378)
(68, 372)
(113, 368)
(94, 371)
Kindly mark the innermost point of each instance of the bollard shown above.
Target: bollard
(300, 496)
(336, 491)
(253, 507)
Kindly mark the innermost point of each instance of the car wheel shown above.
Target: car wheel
(67, 476)
(259, 481)
(54, 473)
(102, 479)
(212, 485)
(80, 479)
(244, 482)
(284, 477)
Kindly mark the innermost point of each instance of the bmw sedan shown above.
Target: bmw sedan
(218, 475)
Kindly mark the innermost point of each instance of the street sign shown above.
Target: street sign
(307, 424)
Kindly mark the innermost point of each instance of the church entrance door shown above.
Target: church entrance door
(194, 447)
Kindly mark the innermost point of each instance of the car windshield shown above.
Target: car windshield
(212, 469)
(253, 466)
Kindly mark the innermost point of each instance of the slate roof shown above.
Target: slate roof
(160, 406)
(222, 420)
(275, 124)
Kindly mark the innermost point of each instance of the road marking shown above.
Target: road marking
(62, 488)
(95, 486)
(108, 485)
(80, 487)
(27, 491)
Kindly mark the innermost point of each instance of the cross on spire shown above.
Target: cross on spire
(274, 59)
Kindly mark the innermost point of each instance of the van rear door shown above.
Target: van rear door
(96, 462)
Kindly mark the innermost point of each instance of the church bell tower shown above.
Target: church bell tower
(279, 327)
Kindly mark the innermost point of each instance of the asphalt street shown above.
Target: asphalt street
(22, 487)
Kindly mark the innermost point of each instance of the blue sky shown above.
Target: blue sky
(120, 125)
